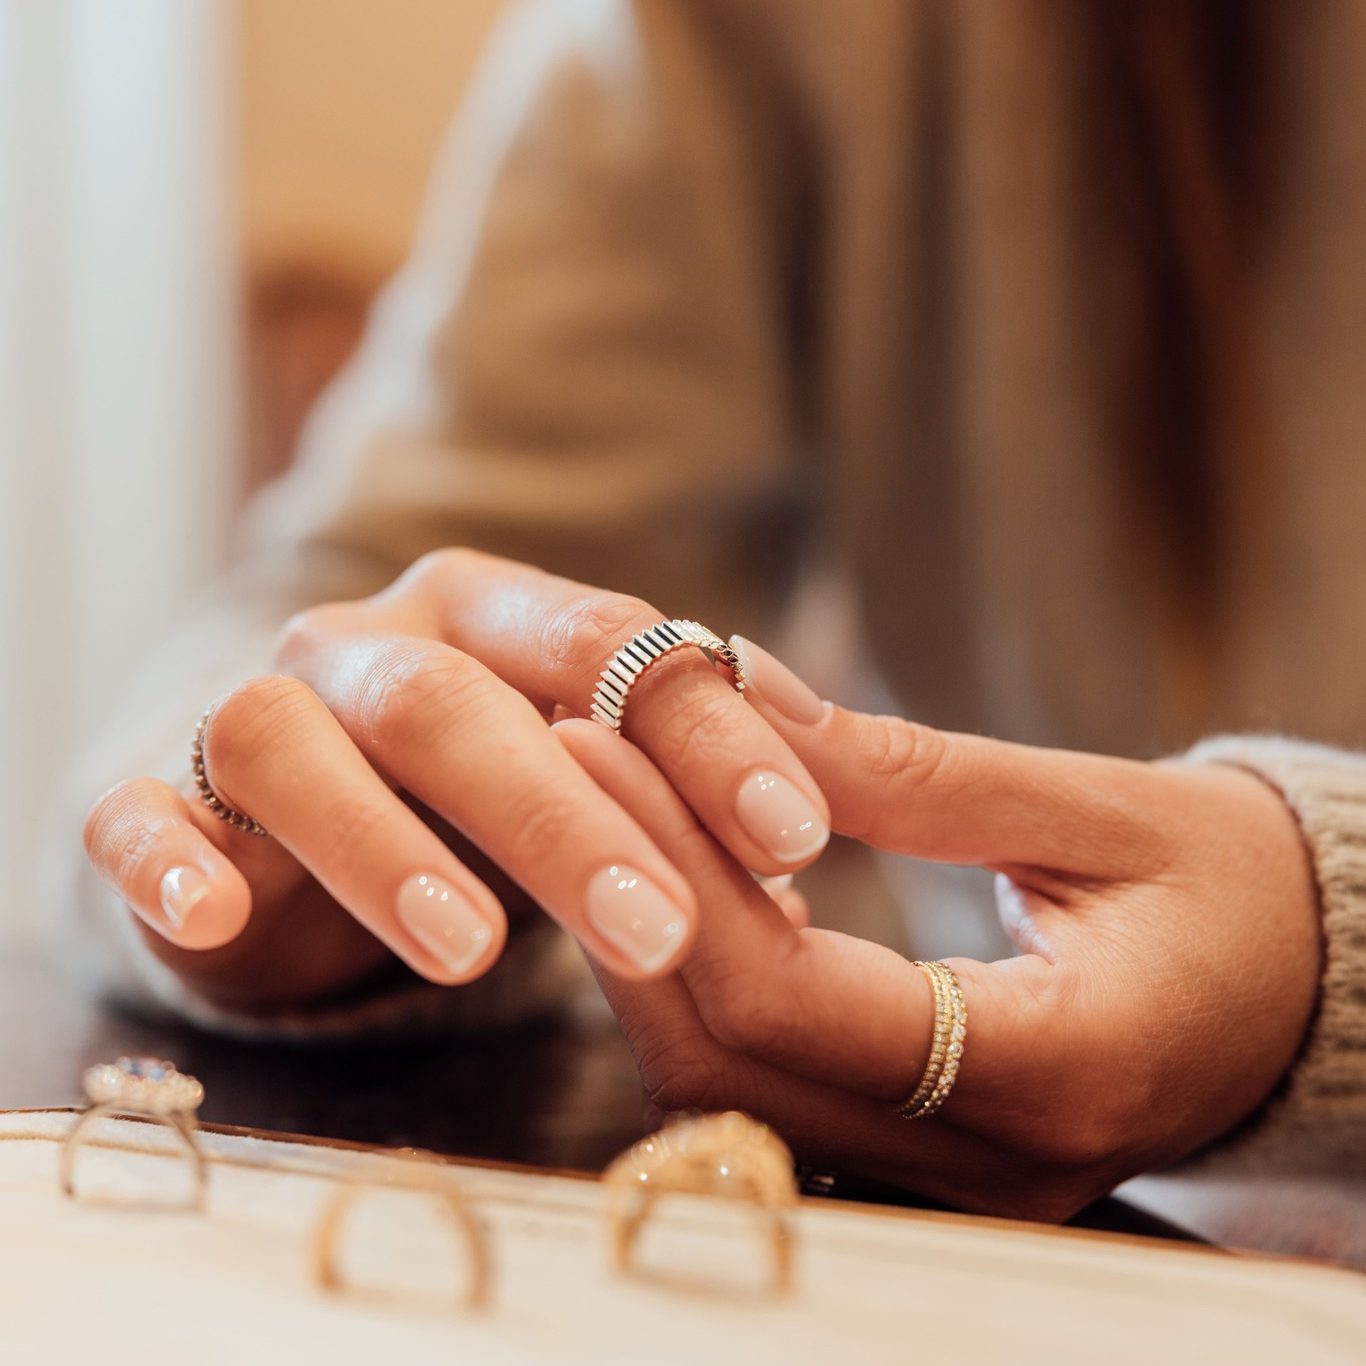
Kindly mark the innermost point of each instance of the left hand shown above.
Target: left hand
(1170, 957)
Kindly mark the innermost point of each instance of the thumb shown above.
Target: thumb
(955, 798)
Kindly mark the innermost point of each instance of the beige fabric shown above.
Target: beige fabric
(711, 292)
(1319, 1119)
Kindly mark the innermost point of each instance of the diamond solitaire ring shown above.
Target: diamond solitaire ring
(141, 1088)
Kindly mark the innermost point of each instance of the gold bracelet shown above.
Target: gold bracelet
(946, 1044)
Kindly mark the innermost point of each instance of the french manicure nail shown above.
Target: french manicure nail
(779, 816)
(182, 889)
(776, 684)
(635, 916)
(443, 921)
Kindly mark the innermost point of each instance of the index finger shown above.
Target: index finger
(551, 638)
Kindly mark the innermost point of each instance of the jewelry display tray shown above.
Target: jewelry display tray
(92, 1280)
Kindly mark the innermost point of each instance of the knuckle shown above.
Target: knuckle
(549, 822)
(353, 831)
(304, 632)
(678, 1073)
(408, 696)
(692, 717)
(741, 1014)
(897, 756)
(894, 750)
(432, 573)
(580, 637)
(252, 719)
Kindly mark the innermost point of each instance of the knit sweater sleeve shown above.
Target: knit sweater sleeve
(1317, 1119)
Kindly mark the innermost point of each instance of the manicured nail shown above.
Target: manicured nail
(776, 684)
(443, 921)
(781, 817)
(633, 915)
(182, 889)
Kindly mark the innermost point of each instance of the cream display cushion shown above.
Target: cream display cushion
(86, 1280)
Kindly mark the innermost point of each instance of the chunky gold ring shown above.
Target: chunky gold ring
(327, 1240)
(727, 1155)
(946, 1044)
(239, 820)
(630, 662)
(144, 1088)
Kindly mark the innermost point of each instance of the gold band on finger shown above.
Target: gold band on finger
(946, 1043)
(239, 820)
(630, 662)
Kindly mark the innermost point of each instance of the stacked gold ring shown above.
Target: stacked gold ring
(946, 1044)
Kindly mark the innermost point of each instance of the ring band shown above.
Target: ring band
(729, 1156)
(327, 1241)
(239, 820)
(946, 1044)
(631, 661)
(145, 1088)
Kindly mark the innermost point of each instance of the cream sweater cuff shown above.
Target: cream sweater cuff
(1317, 1119)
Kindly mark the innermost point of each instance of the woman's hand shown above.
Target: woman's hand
(1169, 935)
(440, 689)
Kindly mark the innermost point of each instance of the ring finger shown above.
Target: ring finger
(272, 749)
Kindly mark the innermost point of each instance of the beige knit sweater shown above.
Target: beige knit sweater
(709, 293)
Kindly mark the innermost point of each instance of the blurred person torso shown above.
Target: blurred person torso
(1046, 321)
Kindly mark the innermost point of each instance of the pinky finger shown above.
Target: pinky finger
(143, 841)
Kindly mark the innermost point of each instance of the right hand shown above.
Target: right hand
(396, 721)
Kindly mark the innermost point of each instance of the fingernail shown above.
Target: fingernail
(781, 817)
(182, 889)
(443, 921)
(776, 684)
(633, 915)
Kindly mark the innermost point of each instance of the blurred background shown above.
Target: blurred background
(198, 199)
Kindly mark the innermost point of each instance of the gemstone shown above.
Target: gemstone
(148, 1069)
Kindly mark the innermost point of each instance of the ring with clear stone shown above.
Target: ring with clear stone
(946, 1043)
(625, 668)
(142, 1088)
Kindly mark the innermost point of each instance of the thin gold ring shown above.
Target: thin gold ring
(327, 1241)
(946, 1043)
(239, 820)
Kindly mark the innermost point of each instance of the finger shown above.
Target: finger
(551, 638)
(441, 726)
(788, 900)
(962, 798)
(823, 1005)
(142, 839)
(759, 985)
(273, 750)
(684, 1067)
